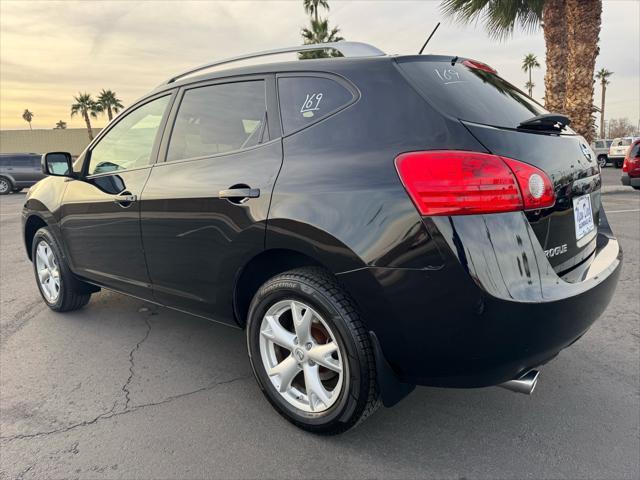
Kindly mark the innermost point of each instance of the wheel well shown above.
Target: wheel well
(34, 223)
(259, 270)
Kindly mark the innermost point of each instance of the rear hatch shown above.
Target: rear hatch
(492, 111)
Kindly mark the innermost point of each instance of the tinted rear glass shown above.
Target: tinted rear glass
(305, 100)
(470, 94)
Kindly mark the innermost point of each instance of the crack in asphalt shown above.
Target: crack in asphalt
(112, 413)
(125, 387)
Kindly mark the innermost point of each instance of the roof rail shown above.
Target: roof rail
(347, 49)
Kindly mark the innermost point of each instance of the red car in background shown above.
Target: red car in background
(631, 166)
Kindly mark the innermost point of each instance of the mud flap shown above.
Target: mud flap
(392, 390)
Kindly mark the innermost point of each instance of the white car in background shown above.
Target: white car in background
(601, 149)
(618, 150)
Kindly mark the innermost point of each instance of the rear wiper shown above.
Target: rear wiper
(548, 121)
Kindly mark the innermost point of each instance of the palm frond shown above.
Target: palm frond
(499, 17)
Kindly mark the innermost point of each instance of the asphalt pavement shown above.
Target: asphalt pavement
(124, 389)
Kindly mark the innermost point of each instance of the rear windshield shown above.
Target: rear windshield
(469, 93)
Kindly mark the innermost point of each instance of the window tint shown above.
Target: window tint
(305, 100)
(609, 142)
(219, 118)
(129, 143)
(599, 144)
(469, 93)
(635, 150)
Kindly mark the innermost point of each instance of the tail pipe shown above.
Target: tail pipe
(525, 384)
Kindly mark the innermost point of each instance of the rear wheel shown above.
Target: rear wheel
(60, 290)
(619, 163)
(602, 161)
(310, 352)
(5, 186)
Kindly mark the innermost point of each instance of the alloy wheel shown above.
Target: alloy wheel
(4, 186)
(48, 272)
(301, 356)
(602, 162)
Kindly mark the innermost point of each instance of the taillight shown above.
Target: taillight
(479, 66)
(625, 165)
(451, 182)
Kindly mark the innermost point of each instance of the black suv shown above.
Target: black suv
(18, 171)
(373, 222)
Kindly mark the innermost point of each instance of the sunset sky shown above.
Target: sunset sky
(50, 51)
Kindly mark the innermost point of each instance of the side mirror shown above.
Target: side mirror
(58, 164)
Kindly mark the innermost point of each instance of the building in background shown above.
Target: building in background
(72, 140)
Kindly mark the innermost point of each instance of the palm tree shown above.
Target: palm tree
(500, 16)
(27, 116)
(603, 75)
(311, 7)
(583, 21)
(530, 62)
(60, 125)
(87, 107)
(529, 86)
(320, 33)
(571, 30)
(109, 102)
(555, 39)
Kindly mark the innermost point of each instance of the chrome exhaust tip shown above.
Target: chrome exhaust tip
(525, 384)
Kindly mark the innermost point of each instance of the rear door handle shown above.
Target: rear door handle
(239, 193)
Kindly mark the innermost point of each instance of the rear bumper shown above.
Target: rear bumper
(630, 181)
(493, 311)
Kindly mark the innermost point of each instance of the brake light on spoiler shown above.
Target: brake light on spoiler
(452, 182)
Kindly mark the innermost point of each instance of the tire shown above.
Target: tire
(636, 188)
(69, 293)
(602, 161)
(354, 392)
(619, 163)
(5, 186)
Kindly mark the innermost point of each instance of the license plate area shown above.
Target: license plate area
(583, 217)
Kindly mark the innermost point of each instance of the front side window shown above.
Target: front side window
(219, 118)
(305, 100)
(129, 143)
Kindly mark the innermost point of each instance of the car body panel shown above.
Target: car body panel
(195, 241)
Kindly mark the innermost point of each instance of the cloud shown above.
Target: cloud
(51, 50)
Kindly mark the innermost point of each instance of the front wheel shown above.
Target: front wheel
(60, 290)
(310, 352)
(5, 186)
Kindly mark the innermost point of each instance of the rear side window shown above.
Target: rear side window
(635, 150)
(219, 118)
(470, 93)
(599, 144)
(305, 100)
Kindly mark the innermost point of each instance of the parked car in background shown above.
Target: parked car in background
(373, 222)
(601, 149)
(631, 166)
(618, 150)
(18, 171)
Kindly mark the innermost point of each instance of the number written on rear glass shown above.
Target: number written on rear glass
(447, 75)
